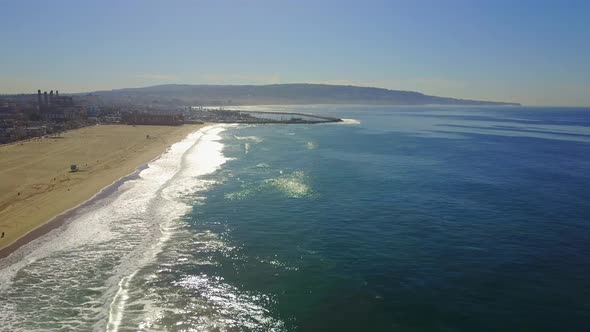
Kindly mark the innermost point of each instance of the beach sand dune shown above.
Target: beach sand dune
(36, 183)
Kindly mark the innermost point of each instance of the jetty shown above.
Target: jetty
(255, 117)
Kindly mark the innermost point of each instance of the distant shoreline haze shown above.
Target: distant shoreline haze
(280, 94)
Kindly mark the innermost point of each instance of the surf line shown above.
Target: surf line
(118, 304)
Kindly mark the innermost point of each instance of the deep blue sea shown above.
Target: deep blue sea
(399, 219)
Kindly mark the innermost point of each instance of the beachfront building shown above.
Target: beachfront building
(26, 116)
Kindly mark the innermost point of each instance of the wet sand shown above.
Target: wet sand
(37, 187)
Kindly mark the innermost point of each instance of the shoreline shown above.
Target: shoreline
(57, 220)
(60, 219)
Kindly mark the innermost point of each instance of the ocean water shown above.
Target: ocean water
(398, 219)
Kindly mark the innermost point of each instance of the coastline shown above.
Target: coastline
(60, 219)
(27, 217)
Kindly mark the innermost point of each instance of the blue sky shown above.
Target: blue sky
(534, 52)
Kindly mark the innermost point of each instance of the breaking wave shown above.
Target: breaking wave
(79, 276)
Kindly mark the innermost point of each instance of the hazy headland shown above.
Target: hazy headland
(278, 94)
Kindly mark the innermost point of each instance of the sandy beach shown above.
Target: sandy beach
(36, 184)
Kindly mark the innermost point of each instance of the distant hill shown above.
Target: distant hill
(280, 94)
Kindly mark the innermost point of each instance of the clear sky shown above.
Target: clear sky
(530, 51)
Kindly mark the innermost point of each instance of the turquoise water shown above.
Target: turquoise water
(403, 219)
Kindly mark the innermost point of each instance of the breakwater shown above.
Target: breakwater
(257, 117)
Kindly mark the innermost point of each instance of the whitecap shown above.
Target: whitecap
(99, 250)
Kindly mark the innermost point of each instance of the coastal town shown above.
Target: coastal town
(27, 116)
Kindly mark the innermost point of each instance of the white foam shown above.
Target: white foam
(106, 243)
(116, 311)
(349, 122)
(294, 185)
(254, 139)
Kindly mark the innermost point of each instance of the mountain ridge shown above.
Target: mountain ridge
(282, 94)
